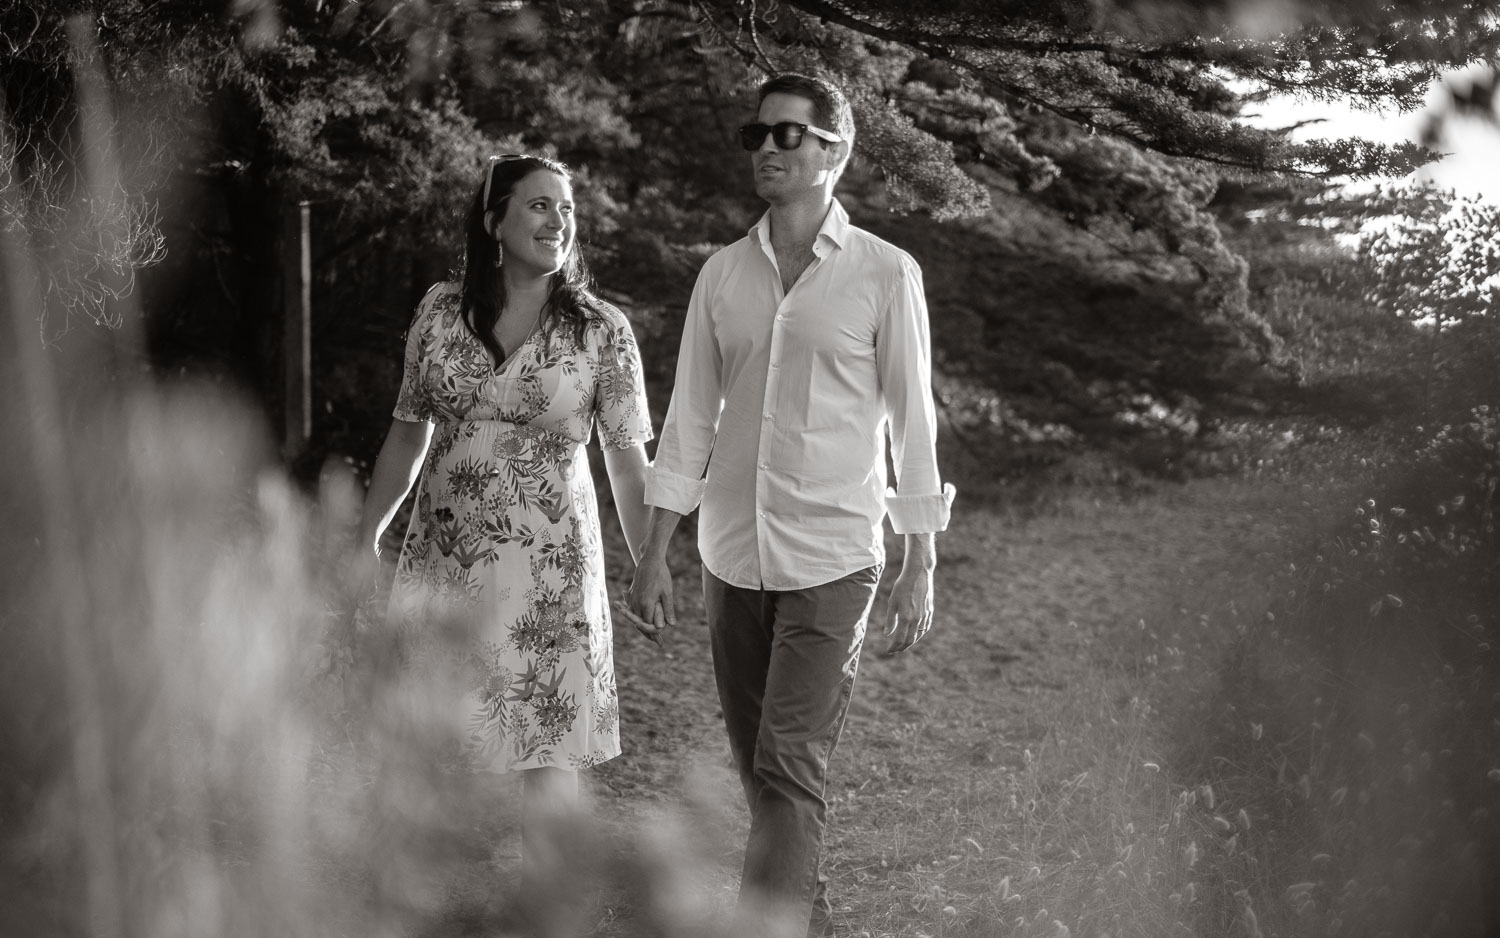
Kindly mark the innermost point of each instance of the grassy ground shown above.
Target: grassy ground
(1124, 723)
(999, 777)
(1130, 720)
(1010, 776)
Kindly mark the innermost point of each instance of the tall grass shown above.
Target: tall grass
(1306, 743)
(1372, 692)
(199, 738)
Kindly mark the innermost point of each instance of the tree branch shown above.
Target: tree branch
(1020, 94)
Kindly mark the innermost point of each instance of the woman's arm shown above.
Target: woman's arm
(396, 469)
(627, 479)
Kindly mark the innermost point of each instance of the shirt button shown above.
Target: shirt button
(774, 365)
(761, 513)
(767, 415)
(779, 317)
(765, 465)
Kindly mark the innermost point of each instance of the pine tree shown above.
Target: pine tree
(1119, 122)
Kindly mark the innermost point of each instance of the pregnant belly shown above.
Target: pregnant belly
(505, 466)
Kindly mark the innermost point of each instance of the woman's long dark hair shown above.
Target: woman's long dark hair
(570, 298)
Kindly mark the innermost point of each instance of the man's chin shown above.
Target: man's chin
(768, 189)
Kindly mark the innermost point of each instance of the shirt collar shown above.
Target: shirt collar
(834, 230)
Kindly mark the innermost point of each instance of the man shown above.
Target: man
(803, 341)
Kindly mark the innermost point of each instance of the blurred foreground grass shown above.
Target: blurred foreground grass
(198, 736)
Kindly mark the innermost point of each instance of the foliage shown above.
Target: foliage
(1037, 72)
(1149, 77)
(1353, 360)
(1120, 122)
(93, 233)
(1352, 719)
(1430, 257)
(1120, 126)
(1382, 299)
(1370, 687)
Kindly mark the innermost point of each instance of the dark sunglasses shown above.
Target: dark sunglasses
(787, 135)
(489, 173)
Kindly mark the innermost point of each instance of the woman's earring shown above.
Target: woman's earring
(499, 253)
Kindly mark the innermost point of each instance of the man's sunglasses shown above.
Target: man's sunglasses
(489, 173)
(787, 134)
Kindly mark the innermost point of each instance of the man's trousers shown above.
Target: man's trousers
(785, 663)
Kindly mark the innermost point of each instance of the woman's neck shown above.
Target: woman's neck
(525, 296)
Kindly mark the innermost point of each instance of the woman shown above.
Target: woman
(506, 375)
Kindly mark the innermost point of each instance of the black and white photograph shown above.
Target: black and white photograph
(749, 469)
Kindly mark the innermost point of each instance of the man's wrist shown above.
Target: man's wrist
(921, 552)
(654, 549)
(660, 525)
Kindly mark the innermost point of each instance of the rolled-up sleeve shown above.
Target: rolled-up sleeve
(675, 480)
(920, 503)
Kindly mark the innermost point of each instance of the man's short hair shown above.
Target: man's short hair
(830, 108)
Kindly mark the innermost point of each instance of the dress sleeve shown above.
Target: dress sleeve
(413, 403)
(621, 414)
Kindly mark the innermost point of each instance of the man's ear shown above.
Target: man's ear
(840, 154)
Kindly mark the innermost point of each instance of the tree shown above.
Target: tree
(1123, 119)
(1117, 121)
(1430, 259)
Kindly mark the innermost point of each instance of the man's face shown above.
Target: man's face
(783, 176)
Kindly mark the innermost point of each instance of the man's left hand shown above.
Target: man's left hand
(911, 607)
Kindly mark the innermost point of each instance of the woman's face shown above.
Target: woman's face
(537, 229)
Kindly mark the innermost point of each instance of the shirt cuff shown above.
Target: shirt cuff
(918, 514)
(673, 492)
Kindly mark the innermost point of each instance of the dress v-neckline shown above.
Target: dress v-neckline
(505, 364)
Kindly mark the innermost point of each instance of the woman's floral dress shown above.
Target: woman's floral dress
(504, 550)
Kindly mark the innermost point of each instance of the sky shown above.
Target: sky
(1472, 166)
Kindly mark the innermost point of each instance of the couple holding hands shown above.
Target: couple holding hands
(805, 346)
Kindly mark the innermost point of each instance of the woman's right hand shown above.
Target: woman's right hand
(361, 570)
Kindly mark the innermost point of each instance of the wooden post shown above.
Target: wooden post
(297, 327)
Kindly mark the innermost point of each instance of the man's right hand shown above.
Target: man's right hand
(648, 602)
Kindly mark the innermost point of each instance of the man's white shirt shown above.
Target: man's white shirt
(783, 403)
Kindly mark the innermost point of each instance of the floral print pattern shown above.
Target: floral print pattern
(504, 549)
